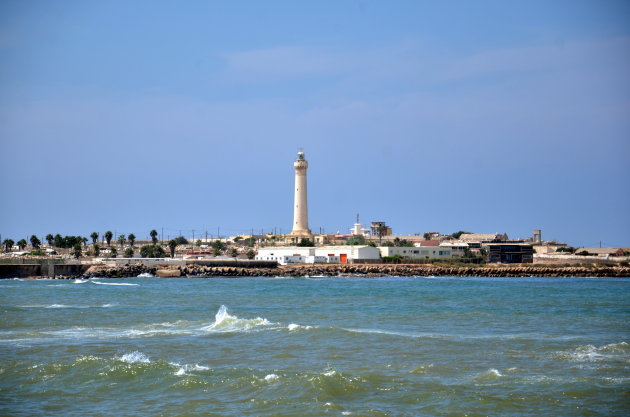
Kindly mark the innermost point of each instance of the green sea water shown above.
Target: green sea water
(315, 347)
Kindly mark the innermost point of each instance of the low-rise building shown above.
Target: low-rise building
(602, 252)
(413, 252)
(510, 253)
(458, 249)
(331, 254)
(477, 238)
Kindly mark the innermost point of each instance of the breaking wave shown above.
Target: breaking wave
(115, 283)
(224, 322)
(590, 353)
(134, 357)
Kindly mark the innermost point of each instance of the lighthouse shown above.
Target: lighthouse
(300, 209)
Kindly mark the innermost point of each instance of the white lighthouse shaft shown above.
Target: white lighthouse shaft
(300, 210)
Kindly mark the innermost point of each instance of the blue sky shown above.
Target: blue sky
(486, 116)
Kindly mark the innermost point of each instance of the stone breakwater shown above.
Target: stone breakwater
(202, 271)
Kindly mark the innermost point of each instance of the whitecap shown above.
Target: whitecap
(80, 281)
(591, 353)
(146, 275)
(134, 357)
(183, 369)
(490, 374)
(271, 377)
(115, 283)
(57, 306)
(224, 322)
(293, 327)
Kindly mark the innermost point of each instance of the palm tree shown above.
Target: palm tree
(97, 249)
(154, 234)
(35, 242)
(8, 244)
(122, 240)
(94, 237)
(108, 237)
(21, 244)
(172, 244)
(50, 239)
(85, 241)
(131, 238)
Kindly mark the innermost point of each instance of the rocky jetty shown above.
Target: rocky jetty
(358, 270)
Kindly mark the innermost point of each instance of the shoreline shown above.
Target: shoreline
(336, 270)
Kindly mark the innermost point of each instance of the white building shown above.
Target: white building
(458, 249)
(412, 252)
(329, 254)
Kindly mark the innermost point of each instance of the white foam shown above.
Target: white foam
(224, 322)
(115, 283)
(590, 353)
(134, 357)
(80, 281)
(182, 369)
(271, 377)
(330, 373)
(293, 327)
(145, 275)
(57, 306)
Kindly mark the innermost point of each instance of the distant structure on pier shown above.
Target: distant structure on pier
(300, 209)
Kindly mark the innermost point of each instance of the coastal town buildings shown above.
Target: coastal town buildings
(329, 254)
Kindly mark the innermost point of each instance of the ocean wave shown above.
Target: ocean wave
(134, 357)
(80, 281)
(126, 284)
(490, 374)
(184, 369)
(591, 353)
(293, 327)
(226, 323)
(64, 306)
(396, 333)
(146, 275)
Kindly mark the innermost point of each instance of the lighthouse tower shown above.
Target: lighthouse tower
(300, 209)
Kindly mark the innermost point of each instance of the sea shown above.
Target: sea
(391, 346)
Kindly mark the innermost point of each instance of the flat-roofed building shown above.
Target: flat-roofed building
(334, 254)
(413, 252)
(510, 253)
